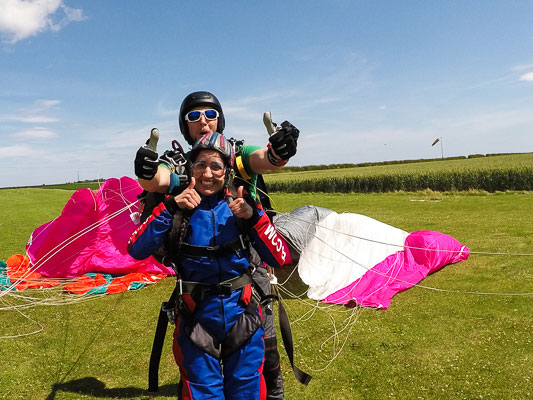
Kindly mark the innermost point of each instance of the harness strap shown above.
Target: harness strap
(200, 288)
(240, 167)
(286, 335)
(237, 244)
(157, 346)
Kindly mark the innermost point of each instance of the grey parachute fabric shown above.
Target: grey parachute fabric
(298, 227)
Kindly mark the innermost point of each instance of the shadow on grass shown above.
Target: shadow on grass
(93, 387)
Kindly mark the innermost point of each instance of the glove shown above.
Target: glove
(146, 163)
(284, 141)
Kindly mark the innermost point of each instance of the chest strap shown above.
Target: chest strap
(237, 244)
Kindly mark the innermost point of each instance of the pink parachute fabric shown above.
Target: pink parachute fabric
(356, 260)
(425, 252)
(91, 235)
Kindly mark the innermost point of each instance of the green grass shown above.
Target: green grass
(429, 344)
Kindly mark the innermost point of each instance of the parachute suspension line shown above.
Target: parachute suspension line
(122, 197)
(48, 298)
(97, 331)
(64, 244)
(257, 188)
(25, 316)
(413, 247)
(345, 328)
(422, 286)
(338, 346)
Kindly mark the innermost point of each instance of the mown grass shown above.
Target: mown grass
(453, 343)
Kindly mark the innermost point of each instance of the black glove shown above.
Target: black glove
(146, 163)
(284, 141)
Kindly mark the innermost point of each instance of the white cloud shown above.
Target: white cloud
(34, 114)
(20, 19)
(527, 77)
(38, 133)
(521, 67)
(16, 151)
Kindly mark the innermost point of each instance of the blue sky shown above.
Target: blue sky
(83, 82)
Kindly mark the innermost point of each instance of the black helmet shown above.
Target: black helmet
(199, 99)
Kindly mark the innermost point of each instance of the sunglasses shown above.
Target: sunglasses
(193, 116)
(215, 167)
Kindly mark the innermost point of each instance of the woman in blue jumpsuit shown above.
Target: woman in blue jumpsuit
(218, 342)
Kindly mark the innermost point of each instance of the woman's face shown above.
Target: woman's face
(208, 170)
(199, 128)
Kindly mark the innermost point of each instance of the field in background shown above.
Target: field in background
(495, 173)
(448, 339)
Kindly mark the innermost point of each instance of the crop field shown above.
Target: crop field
(494, 173)
(466, 332)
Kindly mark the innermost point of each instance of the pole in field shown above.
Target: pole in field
(437, 141)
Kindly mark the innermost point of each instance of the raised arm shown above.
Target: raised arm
(281, 147)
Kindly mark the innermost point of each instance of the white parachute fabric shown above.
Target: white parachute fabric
(344, 247)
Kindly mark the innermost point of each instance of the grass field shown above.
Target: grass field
(458, 338)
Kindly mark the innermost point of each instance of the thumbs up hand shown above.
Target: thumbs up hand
(239, 207)
(189, 198)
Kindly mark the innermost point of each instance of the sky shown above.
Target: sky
(83, 82)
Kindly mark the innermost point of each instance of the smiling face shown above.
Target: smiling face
(207, 173)
(199, 128)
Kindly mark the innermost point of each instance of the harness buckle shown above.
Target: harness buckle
(225, 288)
(242, 242)
(168, 308)
(180, 287)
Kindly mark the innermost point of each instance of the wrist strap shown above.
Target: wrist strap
(273, 159)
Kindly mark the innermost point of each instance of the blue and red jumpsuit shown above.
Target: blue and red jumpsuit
(237, 375)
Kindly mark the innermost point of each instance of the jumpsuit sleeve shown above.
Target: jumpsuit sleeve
(271, 246)
(150, 235)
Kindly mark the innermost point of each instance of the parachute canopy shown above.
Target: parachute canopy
(356, 260)
(91, 234)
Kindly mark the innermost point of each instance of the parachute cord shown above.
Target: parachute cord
(412, 247)
(422, 286)
(64, 244)
(38, 330)
(346, 328)
(257, 188)
(92, 339)
(67, 242)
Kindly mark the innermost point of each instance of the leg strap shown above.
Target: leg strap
(286, 335)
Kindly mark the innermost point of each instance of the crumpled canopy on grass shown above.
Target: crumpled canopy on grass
(91, 234)
(352, 259)
(16, 273)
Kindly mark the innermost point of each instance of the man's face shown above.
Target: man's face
(199, 128)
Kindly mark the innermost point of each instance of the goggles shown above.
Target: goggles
(215, 167)
(193, 116)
